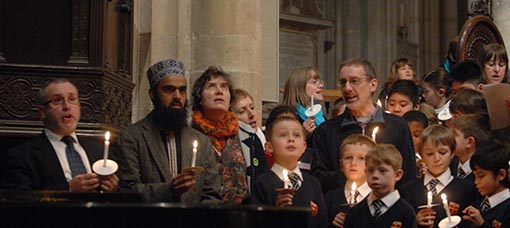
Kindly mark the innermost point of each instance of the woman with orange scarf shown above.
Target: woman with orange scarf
(212, 93)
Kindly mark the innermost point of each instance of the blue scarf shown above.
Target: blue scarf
(300, 111)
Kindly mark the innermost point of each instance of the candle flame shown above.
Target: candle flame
(429, 194)
(195, 144)
(107, 136)
(353, 187)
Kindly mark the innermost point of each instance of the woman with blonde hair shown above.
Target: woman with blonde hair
(302, 84)
(401, 69)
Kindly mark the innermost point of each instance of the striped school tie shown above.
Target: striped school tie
(461, 174)
(378, 204)
(432, 186)
(294, 180)
(486, 205)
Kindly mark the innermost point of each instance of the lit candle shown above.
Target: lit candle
(429, 199)
(286, 180)
(194, 158)
(312, 101)
(374, 133)
(353, 193)
(106, 146)
(445, 205)
(379, 103)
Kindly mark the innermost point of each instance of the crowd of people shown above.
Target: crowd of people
(386, 165)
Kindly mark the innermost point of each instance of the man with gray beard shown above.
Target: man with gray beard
(152, 152)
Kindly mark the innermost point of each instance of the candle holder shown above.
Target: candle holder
(194, 169)
(313, 110)
(105, 169)
(428, 206)
(449, 222)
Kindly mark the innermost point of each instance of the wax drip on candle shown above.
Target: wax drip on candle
(106, 147)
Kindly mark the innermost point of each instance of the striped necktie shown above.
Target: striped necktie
(486, 205)
(73, 158)
(432, 186)
(356, 195)
(377, 204)
(294, 180)
(461, 174)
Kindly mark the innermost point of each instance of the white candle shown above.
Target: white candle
(312, 102)
(194, 158)
(106, 147)
(353, 193)
(374, 133)
(286, 180)
(379, 103)
(445, 205)
(429, 199)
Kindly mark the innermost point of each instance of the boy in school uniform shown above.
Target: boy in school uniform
(437, 144)
(490, 167)
(470, 130)
(352, 163)
(286, 141)
(383, 207)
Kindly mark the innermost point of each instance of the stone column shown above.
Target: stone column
(501, 15)
(227, 33)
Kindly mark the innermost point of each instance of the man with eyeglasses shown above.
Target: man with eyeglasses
(358, 82)
(156, 150)
(57, 159)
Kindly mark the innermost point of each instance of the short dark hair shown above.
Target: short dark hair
(416, 116)
(198, 86)
(493, 156)
(280, 109)
(468, 101)
(42, 91)
(406, 88)
(468, 71)
(367, 66)
(438, 79)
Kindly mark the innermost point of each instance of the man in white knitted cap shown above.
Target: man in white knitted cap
(153, 152)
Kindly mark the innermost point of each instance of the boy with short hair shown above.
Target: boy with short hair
(417, 122)
(286, 141)
(383, 207)
(352, 164)
(437, 144)
(470, 130)
(403, 97)
(490, 166)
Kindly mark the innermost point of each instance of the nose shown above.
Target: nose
(251, 113)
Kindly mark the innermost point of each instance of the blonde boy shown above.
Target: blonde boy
(352, 164)
(383, 207)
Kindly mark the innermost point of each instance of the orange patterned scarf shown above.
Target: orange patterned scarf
(218, 132)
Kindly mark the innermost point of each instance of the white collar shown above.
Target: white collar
(53, 137)
(388, 199)
(363, 190)
(499, 197)
(444, 178)
(465, 167)
(278, 170)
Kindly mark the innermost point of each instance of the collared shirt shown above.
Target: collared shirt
(444, 179)
(388, 201)
(499, 197)
(445, 106)
(465, 167)
(60, 150)
(363, 190)
(278, 169)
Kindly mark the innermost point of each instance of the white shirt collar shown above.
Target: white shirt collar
(363, 190)
(444, 178)
(278, 169)
(465, 167)
(388, 200)
(499, 197)
(53, 137)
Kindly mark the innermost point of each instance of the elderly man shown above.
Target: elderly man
(358, 82)
(153, 152)
(57, 159)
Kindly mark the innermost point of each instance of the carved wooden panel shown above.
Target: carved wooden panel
(477, 32)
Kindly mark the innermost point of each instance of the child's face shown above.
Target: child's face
(245, 111)
(437, 158)
(353, 162)
(399, 104)
(287, 142)
(432, 96)
(382, 178)
(405, 72)
(487, 182)
(462, 142)
(416, 129)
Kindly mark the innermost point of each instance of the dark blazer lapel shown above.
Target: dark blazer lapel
(45, 152)
(156, 148)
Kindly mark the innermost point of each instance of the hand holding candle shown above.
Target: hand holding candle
(106, 147)
(446, 208)
(353, 193)
(194, 157)
(286, 180)
(374, 133)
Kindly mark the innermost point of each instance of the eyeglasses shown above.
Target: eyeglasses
(317, 82)
(60, 101)
(353, 81)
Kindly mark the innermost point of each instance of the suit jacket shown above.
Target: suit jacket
(144, 166)
(34, 165)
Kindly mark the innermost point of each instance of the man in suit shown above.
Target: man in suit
(152, 152)
(57, 159)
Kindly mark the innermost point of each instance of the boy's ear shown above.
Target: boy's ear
(399, 174)
(442, 92)
(480, 87)
(502, 174)
(471, 142)
(269, 147)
